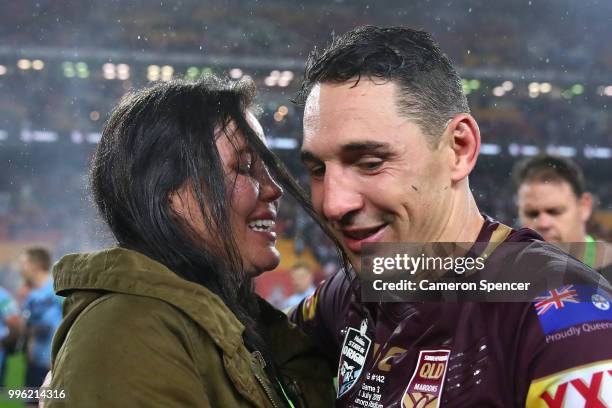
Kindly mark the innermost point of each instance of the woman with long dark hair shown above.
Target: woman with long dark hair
(169, 318)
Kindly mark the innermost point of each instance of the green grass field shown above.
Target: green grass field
(15, 373)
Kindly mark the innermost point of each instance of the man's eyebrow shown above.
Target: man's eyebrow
(307, 156)
(353, 147)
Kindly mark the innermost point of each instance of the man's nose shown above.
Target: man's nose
(341, 195)
(544, 221)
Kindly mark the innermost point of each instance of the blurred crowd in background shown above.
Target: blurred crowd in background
(537, 81)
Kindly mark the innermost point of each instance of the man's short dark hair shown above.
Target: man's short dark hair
(430, 88)
(547, 169)
(40, 256)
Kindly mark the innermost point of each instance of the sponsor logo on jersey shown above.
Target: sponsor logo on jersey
(425, 386)
(354, 353)
(585, 386)
(572, 305)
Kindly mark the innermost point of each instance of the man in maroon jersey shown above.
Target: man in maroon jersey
(389, 143)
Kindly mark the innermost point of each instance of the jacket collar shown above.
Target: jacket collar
(125, 271)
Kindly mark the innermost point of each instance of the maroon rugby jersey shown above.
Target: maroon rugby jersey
(556, 353)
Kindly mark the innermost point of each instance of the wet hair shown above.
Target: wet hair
(430, 90)
(40, 256)
(160, 138)
(547, 169)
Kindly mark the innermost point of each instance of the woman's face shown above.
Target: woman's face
(254, 199)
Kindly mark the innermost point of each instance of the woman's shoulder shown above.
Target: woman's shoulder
(126, 317)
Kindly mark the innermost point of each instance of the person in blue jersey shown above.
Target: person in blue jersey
(10, 327)
(302, 280)
(42, 313)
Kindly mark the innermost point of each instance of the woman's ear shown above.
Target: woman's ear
(178, 201)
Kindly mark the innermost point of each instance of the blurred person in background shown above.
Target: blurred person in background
(11, 327)
(302, 281)
(389, 143)
(168, 317)
(42, 313)
(552, 200)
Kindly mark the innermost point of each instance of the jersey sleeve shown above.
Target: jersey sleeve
(320, 315)
(567, 353)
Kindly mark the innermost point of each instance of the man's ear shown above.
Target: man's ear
(585, 203)
(463, 136)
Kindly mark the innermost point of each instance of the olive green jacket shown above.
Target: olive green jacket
(135, 334)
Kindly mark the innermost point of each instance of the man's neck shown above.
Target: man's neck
(464, 220)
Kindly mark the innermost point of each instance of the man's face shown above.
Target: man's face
(26, 268)
(373, 176)
(301, 279)
(553, 210)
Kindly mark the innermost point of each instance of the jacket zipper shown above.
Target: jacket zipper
(266, 389)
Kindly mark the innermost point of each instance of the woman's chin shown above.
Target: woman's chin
(264, 262)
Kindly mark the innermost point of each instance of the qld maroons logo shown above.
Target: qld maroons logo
(425, 386)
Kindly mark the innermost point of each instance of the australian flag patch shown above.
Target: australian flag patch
(571, 305)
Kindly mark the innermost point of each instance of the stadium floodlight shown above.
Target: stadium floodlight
(2, 70)
(235, 73)
(108, 71)
(577, 89)
(82, 69)
(38, 64)
(166, 72)
(68, 68)
(192, 72)
(498, 91)
(24, 64)
(123, 71)
(545, 87)
(282, 143)
(269, 81)
(153, 72)
(466, 86)
(490, 149)
(595, 152)
(565, 151)
(530, 150)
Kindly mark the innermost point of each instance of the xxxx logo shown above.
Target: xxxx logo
(588, 386)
